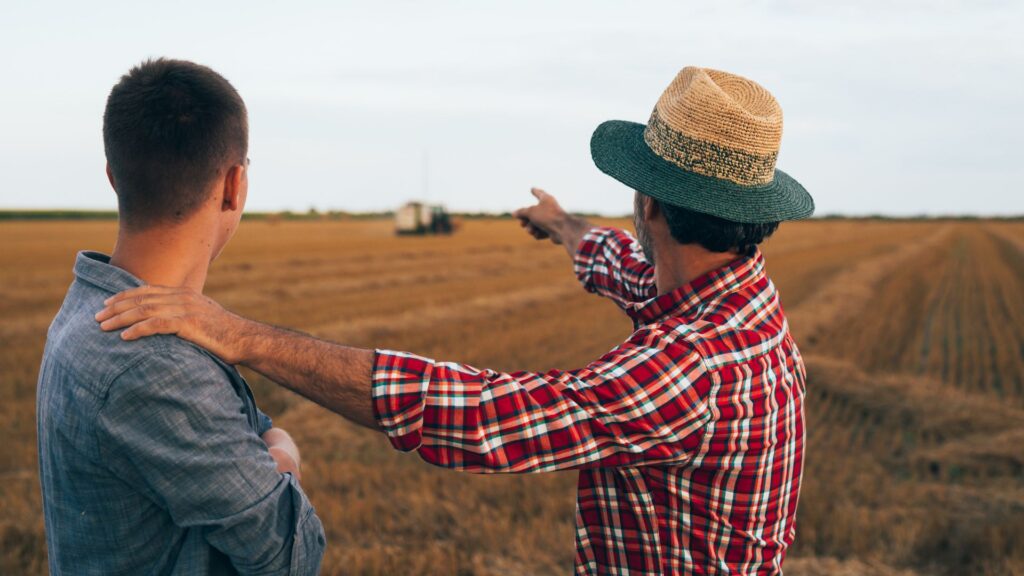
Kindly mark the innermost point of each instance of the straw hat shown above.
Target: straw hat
(710, 146)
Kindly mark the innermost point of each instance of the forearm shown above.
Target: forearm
(334, 376)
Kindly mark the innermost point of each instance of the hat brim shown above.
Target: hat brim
(619, 150)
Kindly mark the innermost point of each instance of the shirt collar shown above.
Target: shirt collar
(96, 269)
(688, 301)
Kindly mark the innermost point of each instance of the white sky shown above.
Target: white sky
(891, 107)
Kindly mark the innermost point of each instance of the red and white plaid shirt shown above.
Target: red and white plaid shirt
(688, 436)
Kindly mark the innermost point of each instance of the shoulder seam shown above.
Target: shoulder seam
(139, 357)
(156, 348)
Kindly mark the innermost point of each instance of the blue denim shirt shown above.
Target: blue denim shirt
(150, 454)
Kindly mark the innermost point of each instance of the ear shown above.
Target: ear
(234, 183)
(651, 209)
(110, 177)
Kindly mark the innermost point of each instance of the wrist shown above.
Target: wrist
(571, 230)
(578, 226)
(560, 225)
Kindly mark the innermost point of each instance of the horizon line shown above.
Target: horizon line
(316, 213)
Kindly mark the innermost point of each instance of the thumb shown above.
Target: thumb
(538, 193)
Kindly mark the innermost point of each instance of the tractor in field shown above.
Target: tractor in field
(420, 218)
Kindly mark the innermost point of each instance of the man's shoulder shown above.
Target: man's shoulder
(682, 339)
(155, 360)
(79, 348)
(723, 340)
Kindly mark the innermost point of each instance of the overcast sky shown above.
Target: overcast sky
(890, 107)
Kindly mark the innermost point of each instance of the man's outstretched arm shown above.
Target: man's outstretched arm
(642, 403)
(608, 262)
(334, 376)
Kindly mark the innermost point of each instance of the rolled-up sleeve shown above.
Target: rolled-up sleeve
(609, 262)
(177, 431)
(644, 402)
(265, 422)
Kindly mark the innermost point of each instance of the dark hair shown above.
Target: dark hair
(169, 129)
(714, 233)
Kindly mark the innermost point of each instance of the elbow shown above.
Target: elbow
(479, 456)
(464, 459)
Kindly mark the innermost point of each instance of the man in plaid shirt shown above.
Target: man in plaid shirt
(688, 436)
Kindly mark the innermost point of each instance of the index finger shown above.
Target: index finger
(140, 291)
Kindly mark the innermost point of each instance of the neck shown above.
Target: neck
(678, 265)
(164, 256)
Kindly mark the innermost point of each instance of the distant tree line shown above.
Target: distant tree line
(58, 215)
(313, 214)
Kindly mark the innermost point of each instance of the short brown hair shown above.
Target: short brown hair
(169, 129)
(711, 232)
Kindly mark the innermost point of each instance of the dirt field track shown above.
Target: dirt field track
(913, 334)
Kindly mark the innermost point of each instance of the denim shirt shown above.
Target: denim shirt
(150, 454)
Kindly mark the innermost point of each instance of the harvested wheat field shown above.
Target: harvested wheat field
(913, 334)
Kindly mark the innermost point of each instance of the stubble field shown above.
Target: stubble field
(913, 334)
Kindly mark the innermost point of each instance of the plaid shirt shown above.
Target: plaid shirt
(688, 436)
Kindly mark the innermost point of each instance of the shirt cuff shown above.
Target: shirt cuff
(400, 381)
(587, 254)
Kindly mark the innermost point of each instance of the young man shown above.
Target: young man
(688, 436)
(154, 458)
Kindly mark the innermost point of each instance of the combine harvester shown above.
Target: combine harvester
(420, 218)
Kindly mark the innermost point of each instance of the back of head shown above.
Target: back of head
(711, 233)
(170, 129)
(715, 234)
